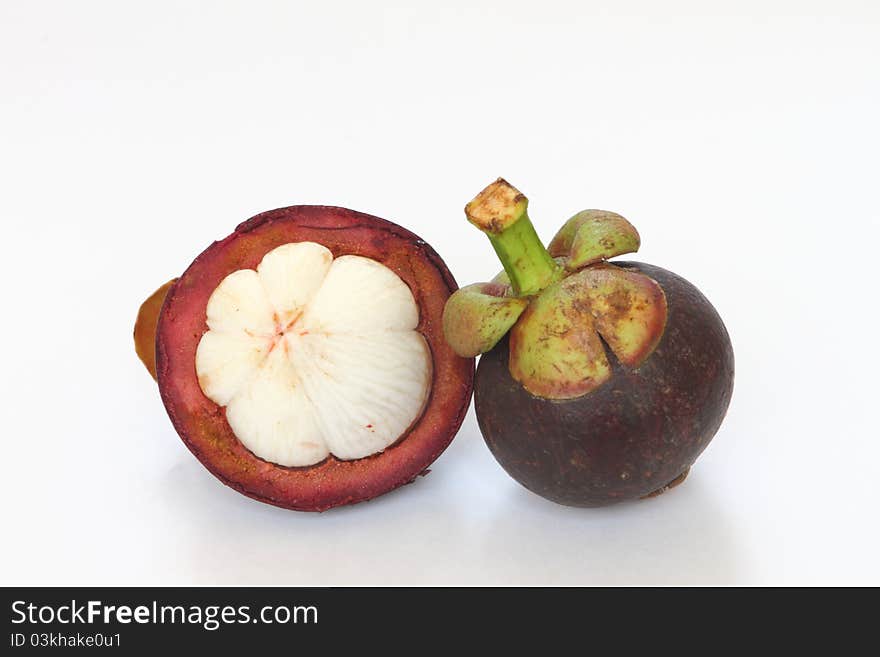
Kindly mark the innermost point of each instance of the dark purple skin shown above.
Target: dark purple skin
(633, 435)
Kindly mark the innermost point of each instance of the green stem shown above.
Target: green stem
(500, 212)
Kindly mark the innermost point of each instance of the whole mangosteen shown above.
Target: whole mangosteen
(598, 382)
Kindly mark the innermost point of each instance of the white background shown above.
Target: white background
(741, 138)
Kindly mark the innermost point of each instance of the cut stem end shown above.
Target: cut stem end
(500, 211)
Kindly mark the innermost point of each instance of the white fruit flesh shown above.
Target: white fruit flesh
(313, 356)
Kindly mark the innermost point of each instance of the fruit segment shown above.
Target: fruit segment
(369, 388)
(313, 356)
(225, 361)
(360, 295)
(272, 416)
(291, 274)
(240, 306)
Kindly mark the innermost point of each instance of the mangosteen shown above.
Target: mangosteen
(599, 382)
(301, 359)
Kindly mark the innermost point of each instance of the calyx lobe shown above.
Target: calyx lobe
(555, 350)
(592, 236)
(477, 316)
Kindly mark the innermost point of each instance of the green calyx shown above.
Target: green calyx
(476, 317)
(592, 236)
(558, 303)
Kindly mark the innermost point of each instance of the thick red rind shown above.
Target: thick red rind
(202, 424)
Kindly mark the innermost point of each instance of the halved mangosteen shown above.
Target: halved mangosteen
(598, 382)
(301, 359)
